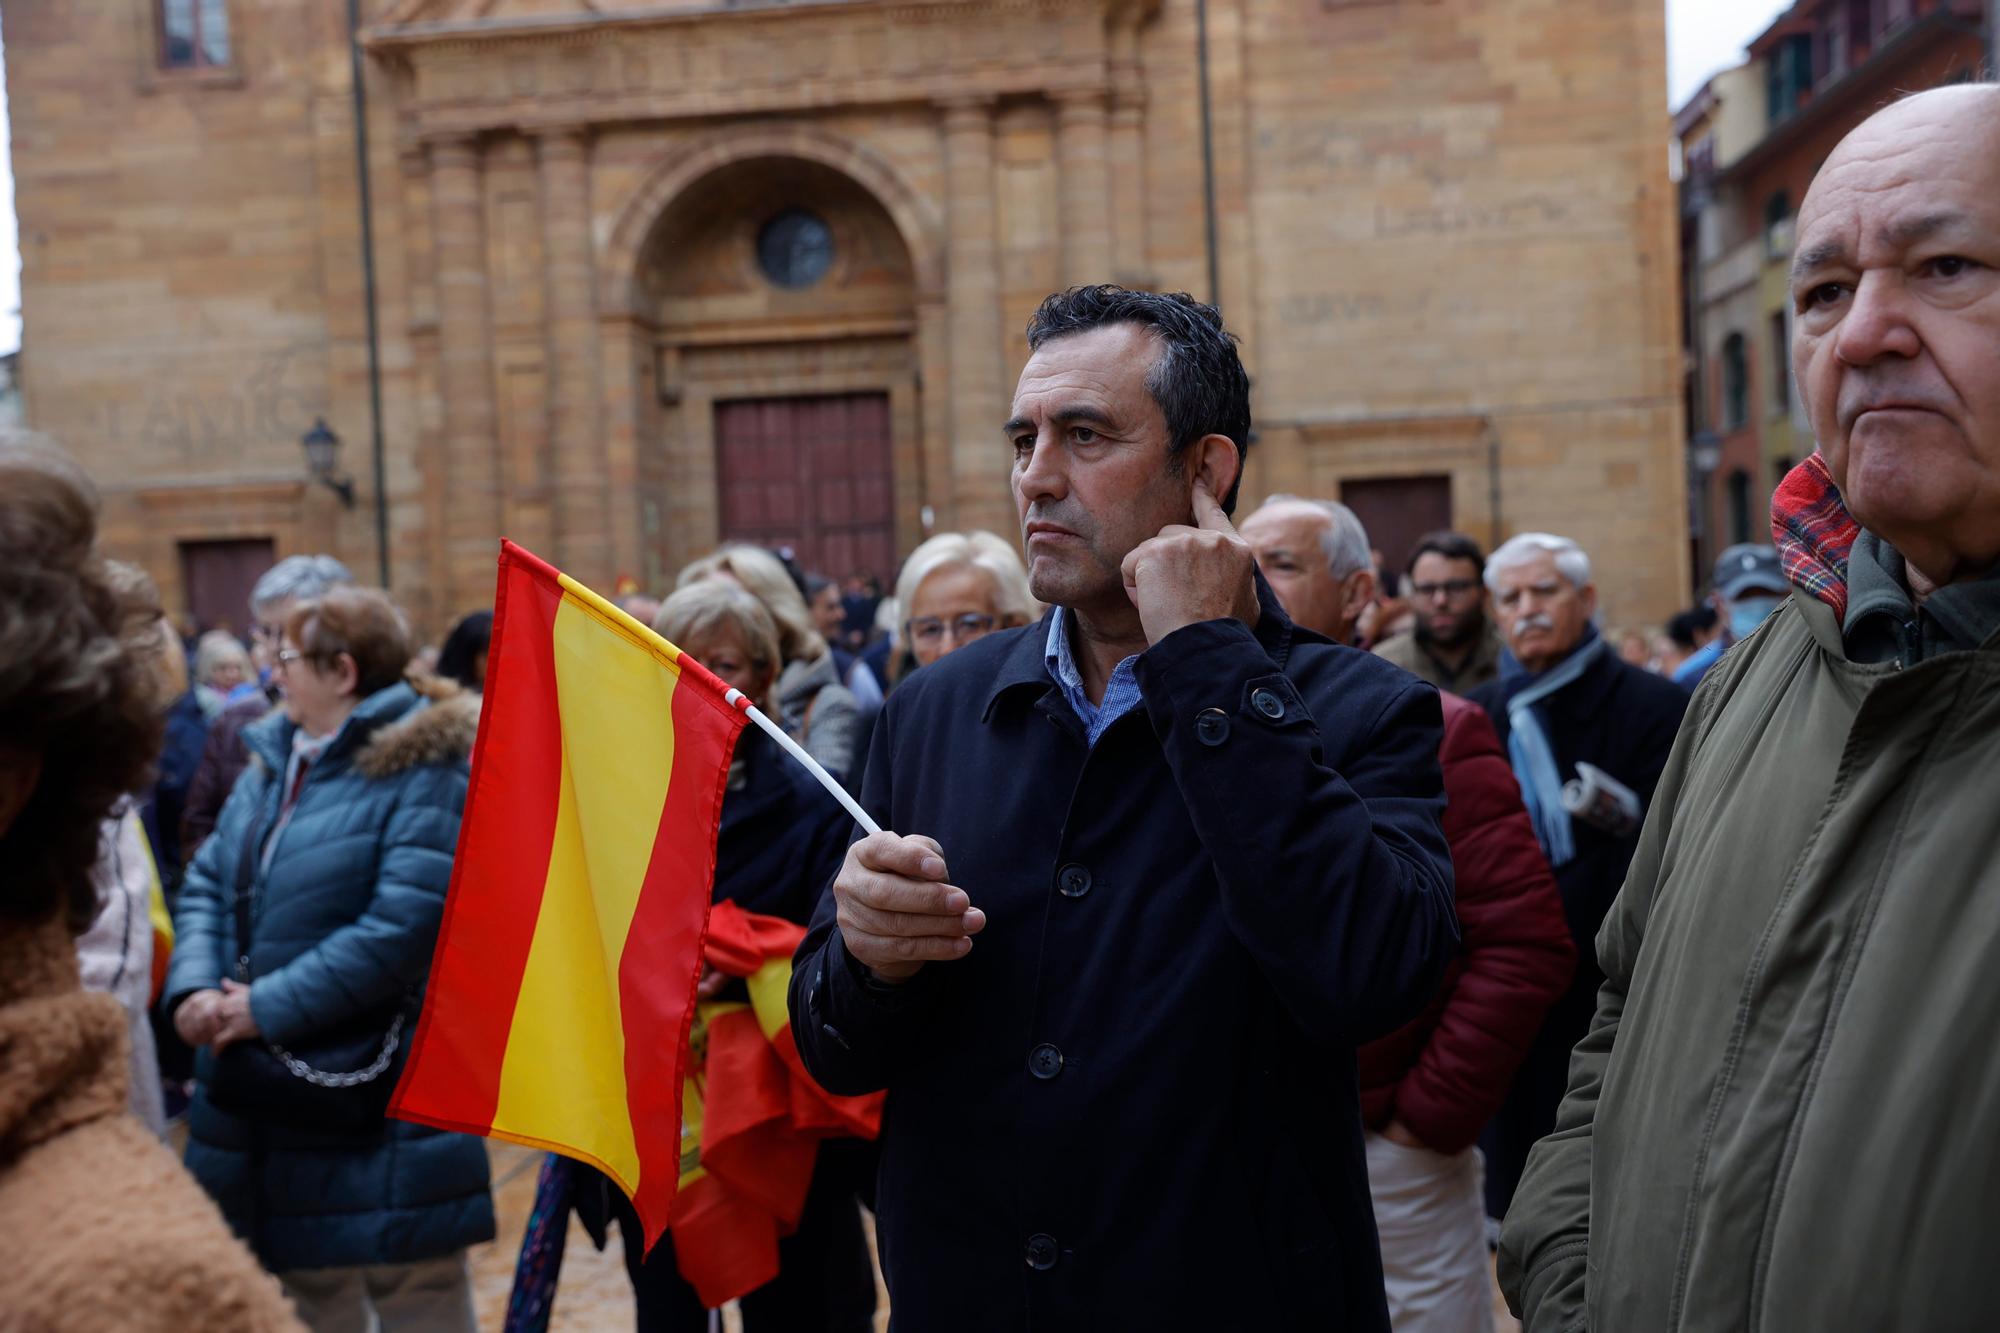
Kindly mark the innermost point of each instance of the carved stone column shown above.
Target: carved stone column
(579, 467)
(972, 280)
(465, 373)
(1085, 197)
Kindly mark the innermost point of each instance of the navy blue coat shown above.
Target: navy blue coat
(1133, 1104)
(344, 920)
(782, 835)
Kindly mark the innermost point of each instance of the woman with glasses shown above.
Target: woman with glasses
(958, 587)
(304, 934)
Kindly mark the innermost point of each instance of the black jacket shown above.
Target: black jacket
(1133, 1104)
(1624, 721)
(782, 836)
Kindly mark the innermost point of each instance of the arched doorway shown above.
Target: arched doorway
(781, 304)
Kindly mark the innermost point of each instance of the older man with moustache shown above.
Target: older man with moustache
(1567, 708)
(1428, 1088)
(1169, 860)
(1783, 1114)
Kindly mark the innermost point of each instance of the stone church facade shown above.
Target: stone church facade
(650, 273)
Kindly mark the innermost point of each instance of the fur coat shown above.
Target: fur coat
(101, 1227)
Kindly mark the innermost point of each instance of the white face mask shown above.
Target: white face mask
(1747, 614)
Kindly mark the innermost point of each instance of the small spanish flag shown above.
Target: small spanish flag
(563, 985)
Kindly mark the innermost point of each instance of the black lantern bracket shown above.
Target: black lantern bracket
(322, 448)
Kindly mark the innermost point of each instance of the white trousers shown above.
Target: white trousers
(1431, 1213)
(429, 1296)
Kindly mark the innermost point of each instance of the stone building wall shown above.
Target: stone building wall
(1444, 225)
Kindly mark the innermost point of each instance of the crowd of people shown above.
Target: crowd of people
(1259, 927)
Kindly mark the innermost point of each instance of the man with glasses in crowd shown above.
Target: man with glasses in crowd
(1454, 645)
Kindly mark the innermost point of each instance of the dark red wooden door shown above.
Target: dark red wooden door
(218, 577)
(812, 474)
(1397, 511)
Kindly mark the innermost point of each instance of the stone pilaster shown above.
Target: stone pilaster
(465, 373)
(972, 279)
(1085, 191)
(579, 467)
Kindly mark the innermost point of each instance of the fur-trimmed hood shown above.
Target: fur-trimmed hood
(417, 721)
(439, 730)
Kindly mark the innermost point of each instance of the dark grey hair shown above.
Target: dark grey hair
(1198, 380)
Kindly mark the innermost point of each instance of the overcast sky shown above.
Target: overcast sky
(1703, 36)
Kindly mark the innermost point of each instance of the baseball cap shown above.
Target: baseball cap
(1742, 568)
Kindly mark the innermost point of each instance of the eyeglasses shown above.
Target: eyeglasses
(1450, 589)
(964, 629)
(287, 656)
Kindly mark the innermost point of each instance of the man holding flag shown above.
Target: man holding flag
(1168, 859)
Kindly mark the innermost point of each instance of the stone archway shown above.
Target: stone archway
(916, 216)
(787, 404)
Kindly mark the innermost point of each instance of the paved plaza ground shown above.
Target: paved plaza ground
(594, 1296)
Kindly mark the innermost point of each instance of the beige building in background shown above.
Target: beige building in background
(651, 272)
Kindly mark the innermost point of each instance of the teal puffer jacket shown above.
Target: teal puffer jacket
(344, 917)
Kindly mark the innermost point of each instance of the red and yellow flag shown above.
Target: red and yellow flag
(563, 985)
(754, 1116)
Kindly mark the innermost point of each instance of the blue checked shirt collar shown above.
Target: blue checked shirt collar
(1121, 694)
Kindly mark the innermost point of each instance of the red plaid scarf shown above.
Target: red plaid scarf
(1814, 532)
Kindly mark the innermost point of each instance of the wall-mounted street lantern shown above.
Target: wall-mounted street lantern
(322, 448)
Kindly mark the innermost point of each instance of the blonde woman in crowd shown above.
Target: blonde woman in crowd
(819, 712)
(958, 587)
(221, 663)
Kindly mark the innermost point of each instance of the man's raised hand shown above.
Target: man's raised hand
(895, 910)
(1186, 575)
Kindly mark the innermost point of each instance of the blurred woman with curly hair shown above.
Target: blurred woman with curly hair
(103, 1228)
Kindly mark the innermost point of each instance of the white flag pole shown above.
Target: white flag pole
(812, 765)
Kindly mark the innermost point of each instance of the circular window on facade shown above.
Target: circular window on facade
(795, 249)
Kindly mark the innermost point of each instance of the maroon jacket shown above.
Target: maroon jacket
(1445, 1073)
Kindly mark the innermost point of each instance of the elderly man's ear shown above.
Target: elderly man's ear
(1355, 594)
(20, 771)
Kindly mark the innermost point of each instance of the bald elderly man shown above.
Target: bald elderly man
(1784, 1114)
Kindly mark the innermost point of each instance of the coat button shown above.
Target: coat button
(1211, 726)
(1269, 704)
(1073, 881)
(1045, 1061)
(1042, 1252)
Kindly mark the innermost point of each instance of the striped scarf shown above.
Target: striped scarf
(1814, 533)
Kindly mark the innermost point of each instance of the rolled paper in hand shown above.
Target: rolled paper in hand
(1602, 801)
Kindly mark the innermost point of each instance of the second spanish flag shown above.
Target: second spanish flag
(564, 978)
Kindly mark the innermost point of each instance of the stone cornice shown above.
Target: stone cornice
(468, 76)
(406, 34)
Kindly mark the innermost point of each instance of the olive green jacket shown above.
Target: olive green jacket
(1786, 1115)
